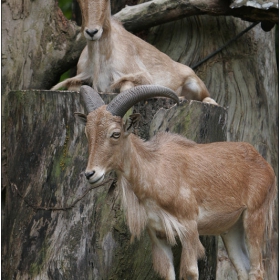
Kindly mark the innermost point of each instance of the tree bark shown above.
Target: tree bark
(46, 164)
(35, 55)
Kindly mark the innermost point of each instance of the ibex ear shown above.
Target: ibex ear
(131, 123)
(81, 118)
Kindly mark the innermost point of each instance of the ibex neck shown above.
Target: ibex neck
(99, 54)
(138, 161)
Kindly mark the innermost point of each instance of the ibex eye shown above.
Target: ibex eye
(116, 135)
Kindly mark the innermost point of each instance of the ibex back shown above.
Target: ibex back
(116, 59)
(177, 188)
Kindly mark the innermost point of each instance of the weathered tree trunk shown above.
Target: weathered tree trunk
(242, 78)
(39, 44)
(46, 157)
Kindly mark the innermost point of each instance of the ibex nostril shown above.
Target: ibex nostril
(89, 174)
(91, 33)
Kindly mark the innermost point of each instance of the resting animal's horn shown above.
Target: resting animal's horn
(91, 98)
(125, 100)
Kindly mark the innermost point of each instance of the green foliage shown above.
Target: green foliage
(64, 76)
(66, 7)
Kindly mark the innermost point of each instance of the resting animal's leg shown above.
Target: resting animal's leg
(162, 256)
(195, 89)
(73, 84)
(131, 80)
(234, 241)
(126, 85)
(210, 101)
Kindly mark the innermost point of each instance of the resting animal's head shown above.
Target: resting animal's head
(104, 127)
(96, 15)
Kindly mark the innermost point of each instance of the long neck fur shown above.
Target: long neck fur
(138, 168)
(129, 180)
(139, 156)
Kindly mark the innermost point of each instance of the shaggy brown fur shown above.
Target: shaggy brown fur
(175, 187)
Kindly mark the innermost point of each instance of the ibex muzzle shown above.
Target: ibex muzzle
(95, 13)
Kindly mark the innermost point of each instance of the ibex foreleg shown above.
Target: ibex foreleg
(192, 250)
(162, 256)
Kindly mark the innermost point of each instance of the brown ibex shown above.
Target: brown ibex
(223, 188)
(116, 59)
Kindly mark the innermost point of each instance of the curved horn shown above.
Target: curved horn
(125, 100)
(91, 98)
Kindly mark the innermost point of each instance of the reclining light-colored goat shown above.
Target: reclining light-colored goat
(177, 188)
(116, 59)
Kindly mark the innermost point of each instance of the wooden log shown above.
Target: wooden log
(155, 12)
(259, 4)
(46, 158)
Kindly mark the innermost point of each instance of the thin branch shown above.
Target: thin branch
(62, 208)
(224, 46)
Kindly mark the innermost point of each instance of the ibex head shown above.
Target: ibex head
(96, 15)
(106, 133)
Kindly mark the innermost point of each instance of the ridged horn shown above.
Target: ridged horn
(125, 100)
(91, 98)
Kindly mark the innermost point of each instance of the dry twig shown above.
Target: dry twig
(67, 207)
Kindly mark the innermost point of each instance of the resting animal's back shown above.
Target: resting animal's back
(147, 58)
